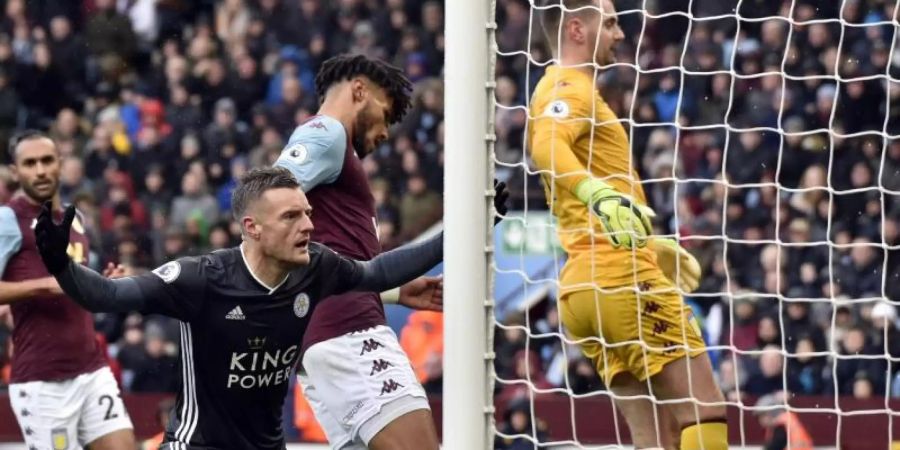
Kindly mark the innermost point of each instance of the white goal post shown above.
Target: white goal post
(468, 313)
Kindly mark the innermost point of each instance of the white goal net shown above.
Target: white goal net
(766, 134)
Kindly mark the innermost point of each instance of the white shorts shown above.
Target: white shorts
(69, 414)
(358, 383)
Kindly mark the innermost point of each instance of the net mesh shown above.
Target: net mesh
(767, 138)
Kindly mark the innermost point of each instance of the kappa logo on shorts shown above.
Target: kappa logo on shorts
(660, 327)
(651, 308)
(390, 386)
(379, 365)
(370, 345)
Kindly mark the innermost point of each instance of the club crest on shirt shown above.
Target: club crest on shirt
(169, 271)
(297, 153)
(301, 304)
(59, 438)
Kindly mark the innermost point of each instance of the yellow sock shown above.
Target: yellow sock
(705, 436)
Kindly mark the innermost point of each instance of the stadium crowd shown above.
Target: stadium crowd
(160, 105)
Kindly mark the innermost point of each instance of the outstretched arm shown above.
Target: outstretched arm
(386, 271)
(98, 294)
(88, 288)
(174, 289)
(399, 266)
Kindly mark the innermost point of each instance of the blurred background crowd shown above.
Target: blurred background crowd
(159, 105)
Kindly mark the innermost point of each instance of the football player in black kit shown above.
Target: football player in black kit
(243, 310)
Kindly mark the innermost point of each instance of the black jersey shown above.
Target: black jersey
(239, 340)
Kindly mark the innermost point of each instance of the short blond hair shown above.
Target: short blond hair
(552, 16)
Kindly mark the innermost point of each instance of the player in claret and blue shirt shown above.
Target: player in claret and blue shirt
(62, 390)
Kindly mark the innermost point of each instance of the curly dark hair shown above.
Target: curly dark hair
(390, 78)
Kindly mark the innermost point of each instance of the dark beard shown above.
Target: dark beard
(358, 140)
(34, 195)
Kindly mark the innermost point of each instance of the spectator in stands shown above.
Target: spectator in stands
(226, 129)
(110, 38)
(156, 369)
(799, 325)
(768, 332)
(305, 419)
(745, 328)
(805, 371)
(194, 204)
(860, 274)
(784, 430)
(848, 370)
(419, 206)
(729, 379)
(769, 377)
(509, 341)
(884, 334)
(518, 421)
(7, 185)
(422, 339)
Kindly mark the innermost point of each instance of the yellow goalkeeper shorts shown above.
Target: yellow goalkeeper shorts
(639, 332)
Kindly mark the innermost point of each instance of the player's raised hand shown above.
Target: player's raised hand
(423, 293)
(625, 222)
(501, 195)
(53, 240)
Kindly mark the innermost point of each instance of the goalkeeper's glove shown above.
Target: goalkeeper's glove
(53, 240)
(501, 195)
(625, 222)
(678, 264)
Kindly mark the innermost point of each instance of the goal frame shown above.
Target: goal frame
(469, 40)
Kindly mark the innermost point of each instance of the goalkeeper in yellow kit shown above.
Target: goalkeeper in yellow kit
(619, 293)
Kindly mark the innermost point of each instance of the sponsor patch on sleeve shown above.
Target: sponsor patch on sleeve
(169, 271)
(558, 109)
(297, 153)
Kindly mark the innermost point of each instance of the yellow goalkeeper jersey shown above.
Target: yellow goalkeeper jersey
(573, 133)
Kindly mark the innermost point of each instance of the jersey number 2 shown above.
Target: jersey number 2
(109, 412)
